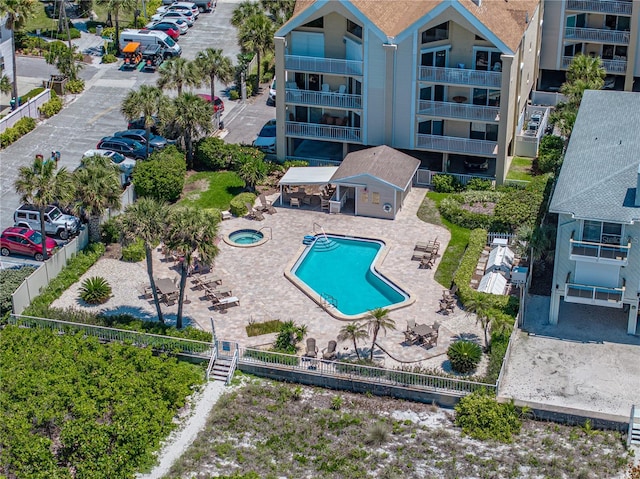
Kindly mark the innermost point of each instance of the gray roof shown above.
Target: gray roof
(382, 162)
(599, 174)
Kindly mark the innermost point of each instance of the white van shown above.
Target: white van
(151, 37)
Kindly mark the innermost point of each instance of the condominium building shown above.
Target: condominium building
(445, 81)
(604, 28)
(6, 51)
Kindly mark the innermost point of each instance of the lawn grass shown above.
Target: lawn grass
(520, 169)
(223, 186)
(257, 329)
(40, 20)
(428, 212)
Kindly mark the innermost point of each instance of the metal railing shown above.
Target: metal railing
(370, 374)
(267, 228)
(169, 344)
(589, 294)
(321, 131)
(335, 66)
(425, 177)
(491, 236)
(464, 111)
(232, 368)
(599, 35)
(212, 362)
(454, 144)
(598, 251)
(315, 161)
(329, 300)
(600, 6)
(611, 66)
(460, 76)
(327, 99)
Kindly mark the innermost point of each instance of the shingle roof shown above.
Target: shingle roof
(383, 162)
(507, 19)
(599, 174)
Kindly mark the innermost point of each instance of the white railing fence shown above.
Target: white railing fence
(424, 177)
(491, 236)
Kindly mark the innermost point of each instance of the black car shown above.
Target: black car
(155, 142)
(138, 124)
(125, 146)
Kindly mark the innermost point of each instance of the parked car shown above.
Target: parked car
(481, 164)
(125, 146)
(272, 93)
(138, 124)
(156, 142)
(25, 241)
(179, 7)
(218, 104)
(124, 164)
(266, 140)
(203, 5)
(55, 222)
(168, 28)
(179, 23)
(186, 16)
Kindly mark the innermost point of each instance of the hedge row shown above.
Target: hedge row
(23, 126)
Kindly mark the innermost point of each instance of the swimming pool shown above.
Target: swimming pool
(338, 273)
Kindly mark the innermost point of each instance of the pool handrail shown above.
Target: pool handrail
(270, 231)
(321, 229)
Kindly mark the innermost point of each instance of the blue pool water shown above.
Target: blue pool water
(246, 236)
(343, 268)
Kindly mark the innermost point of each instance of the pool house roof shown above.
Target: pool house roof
(308, 175)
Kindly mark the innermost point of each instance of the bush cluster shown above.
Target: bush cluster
(479, 184)
(482, 417)
(444, 183)
(464, 356)
(23, 126)
(238, 206)
(10, 280)
(134, 252)
(95, 290)
(75, 86)
(550, 154)
(294, 163)
(74, 33)
(522, 206)
(162, 176)
(109, 231)
(452, 209)
(109, 58)
(51, 107)
(213, 154)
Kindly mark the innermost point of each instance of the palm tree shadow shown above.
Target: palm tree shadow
(474, 338)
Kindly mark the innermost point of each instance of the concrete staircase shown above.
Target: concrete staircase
(633, 437)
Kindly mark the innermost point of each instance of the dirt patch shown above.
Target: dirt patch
(113, 251)
(486, 208)
(194, 187)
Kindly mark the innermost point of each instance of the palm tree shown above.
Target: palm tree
(256, 35)
(16, 13)
(146, 219)
(147, 101)
(191, 230)
(378, 319)
(480, 305)
(213, 64)
(177, 73)
(114, 7)
(252, 171)
(280, 10)
(97, 188)
(353, 332)
(243, 11)
(191, 119)
(588, 69)
(41, 185)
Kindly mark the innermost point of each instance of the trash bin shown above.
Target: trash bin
(99, 30)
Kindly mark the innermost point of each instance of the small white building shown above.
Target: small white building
(500, 261)
(493, 283)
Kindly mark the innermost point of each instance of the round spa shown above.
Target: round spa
(245, 238)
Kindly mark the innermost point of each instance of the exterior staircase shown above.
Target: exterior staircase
(223, 362)
(633, 438)
(221, 369)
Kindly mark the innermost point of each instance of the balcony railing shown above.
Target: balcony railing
(600, 6)
(317, 131)
(611, 66)
(599, 252)
(598, 35)
(460, 76)
(459, 110)
(331, 100)
(596, 295)
(454, 144)
(334, 66)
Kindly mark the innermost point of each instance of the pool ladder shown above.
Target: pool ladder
(328, 300)
(270, 231)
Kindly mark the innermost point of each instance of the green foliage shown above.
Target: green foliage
(51, 107)
(10, 280)
(67, 399)
(23, 126)
(31, 94)
(109, 58)
(482, 417)
(289, 336)
(292, 163)
(234, 95)
(458, 208)
(266, 327)
(237, 205)
(522, 206)
(550, 154)
(464, 356)
(110, 232)
(499, 343)
(161, 177)
(336, 403)
(478, 184)
(252, 169)
(134, 252)
(377, 435)
(75, 86)
(213, 154)
(95, 290)
(222, 187)
(74, 33)
(443, 183)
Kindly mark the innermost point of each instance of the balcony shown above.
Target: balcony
(460, 76)
(460, 111)
(595, 295)
(334, 66)
(596, 35)
(452, 144)
(600, 6)
(317, 98)
(317, 131)
(604, 253)
(615, 67)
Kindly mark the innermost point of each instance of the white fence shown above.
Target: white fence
(547, 98)
(492, 236)
(28, 109)
(40, 278)
(127, 197)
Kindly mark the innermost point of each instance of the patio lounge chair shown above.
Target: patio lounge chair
(294, 202)
(223, 303)
(252, 213)
(266, 205)
(312, 349)
(330, 352)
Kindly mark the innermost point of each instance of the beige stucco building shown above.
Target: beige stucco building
(444, 81)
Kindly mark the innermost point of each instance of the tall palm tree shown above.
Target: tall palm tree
(378, 319)
(243, 11)
(353, 332)
(97, 188)
(146, 219)
(256, 35)
(17, 14)
(213, 64)
(191, 119)
(114, 7)
(177, 73)
(280, 10)
(147, 101)
(191, 230)
(41, 185)
(480, 305)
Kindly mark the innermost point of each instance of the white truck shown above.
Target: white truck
(151, 37)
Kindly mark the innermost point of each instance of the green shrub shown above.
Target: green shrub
(294, 163)
(74, 33)
(238, 207)
(550, 154)
(161, 177)
(23, 126)
(499, 343)
(95, 290)
(257, 329)
(453, 208)
(109, 58)
(75, 86)
(10, 280)
(31, 94)
(482, 417)
(479, 184)
(336, 403)
(234, 95)
(134, 252)
(377, 434)
(213, 154)
(464, 356)
(289, 336)
(522, 206)
(109, 231)
(267, 76)
(444, 183)
(51, 107)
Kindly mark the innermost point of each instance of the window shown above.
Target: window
(431, 127)
(572, 49)
(483, 131)
(317, 23)
(484, 97)
(440, 32)
(354, 28)
(434, 58)
(598, 232)
(434, 93)
(488, 60)
(375, 198)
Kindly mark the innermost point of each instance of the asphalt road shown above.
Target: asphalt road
(96, 112)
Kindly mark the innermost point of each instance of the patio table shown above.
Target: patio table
(423, 330)
(165, 286)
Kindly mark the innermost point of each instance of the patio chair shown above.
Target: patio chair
(223, 303)
(294, 202)
(411, 323)
(257, 215)
(326, 88)
(410, 337)
(325, 204)
(330, 352)
(266, 205)
(312, 349)
(418, 256)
